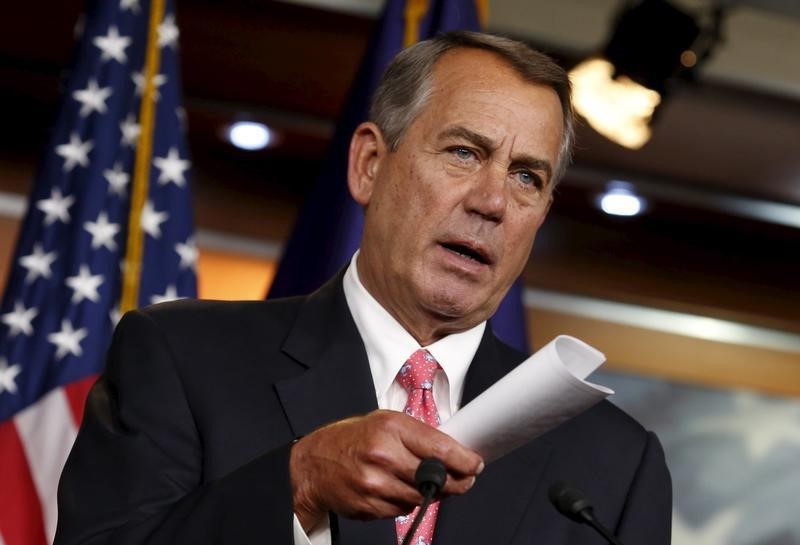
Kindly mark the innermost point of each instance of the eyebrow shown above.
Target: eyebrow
(483, 142)
(488, 145)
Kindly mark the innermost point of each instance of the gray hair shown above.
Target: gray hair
(406, 85)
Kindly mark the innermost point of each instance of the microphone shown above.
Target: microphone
(429, 478)
(571, 503)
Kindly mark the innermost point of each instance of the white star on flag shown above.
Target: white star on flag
(7, 376)
(19, 320)
(76, 152)
(158, 81)
(132, 5)
(170, 295)
(56, 207)
(68, 340)
(130, 131)
(151, 220)
(102, 232)
(113, 45)
(168, 32)
(84, 285)
(187, 253)
(93, 98)
(117, 179)
(172, 168)
(38, 263)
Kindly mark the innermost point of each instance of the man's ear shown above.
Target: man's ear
(367, 149)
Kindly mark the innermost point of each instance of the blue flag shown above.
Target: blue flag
(119, 139)
(328, 229)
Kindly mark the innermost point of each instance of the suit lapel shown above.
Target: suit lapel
(337, 384)
(493, 509)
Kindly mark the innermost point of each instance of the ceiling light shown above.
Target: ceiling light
(619, 109)
(619, 89)
(620, 200)
(249, 135)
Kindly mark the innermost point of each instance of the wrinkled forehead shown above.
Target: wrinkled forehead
(482, 92)
(465, 71)
(470, 64)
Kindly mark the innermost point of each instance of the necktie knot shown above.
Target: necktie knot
(418, 371)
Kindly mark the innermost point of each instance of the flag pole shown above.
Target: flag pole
(141, 172)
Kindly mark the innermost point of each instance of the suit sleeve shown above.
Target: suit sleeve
(647, 515)
(135, 473)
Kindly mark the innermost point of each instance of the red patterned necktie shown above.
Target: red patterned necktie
(416, 376)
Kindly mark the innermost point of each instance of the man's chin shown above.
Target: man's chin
(458, 307)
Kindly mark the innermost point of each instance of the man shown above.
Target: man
(257, 422)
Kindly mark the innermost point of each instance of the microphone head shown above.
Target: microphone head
(569, 501)
(431, 471)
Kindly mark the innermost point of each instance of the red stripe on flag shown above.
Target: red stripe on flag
(21, 521)
(76, 393)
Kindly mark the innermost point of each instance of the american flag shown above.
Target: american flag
(117, 158)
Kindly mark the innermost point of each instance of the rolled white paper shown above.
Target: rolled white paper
(539, 394)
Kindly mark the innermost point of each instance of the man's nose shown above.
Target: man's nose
(488, 195)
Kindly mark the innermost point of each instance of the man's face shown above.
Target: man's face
(451, 215)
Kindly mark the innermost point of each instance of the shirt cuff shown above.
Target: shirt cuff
(319, 534)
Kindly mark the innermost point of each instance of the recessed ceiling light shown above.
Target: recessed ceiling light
(248, 135)
(620, 200)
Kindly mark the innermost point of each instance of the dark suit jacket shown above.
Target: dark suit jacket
(186, 437)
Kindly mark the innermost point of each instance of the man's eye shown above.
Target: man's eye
(463, 154)
(528, 178)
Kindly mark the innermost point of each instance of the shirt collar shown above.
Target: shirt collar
(388, 344)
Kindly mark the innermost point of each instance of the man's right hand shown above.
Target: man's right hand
(364, 467)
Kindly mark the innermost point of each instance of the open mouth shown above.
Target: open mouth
(466, 251)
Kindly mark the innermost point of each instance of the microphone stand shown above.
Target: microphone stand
(429, 478)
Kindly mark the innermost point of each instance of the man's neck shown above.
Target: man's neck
(424, 326)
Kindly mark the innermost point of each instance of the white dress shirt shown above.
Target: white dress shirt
(388, 347)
